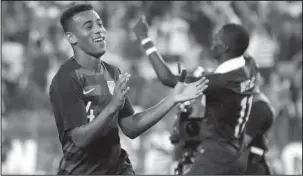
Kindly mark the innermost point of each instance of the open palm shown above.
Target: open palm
(185, 92)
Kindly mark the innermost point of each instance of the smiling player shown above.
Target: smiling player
(89, 99)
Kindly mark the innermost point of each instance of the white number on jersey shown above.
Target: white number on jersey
(246, 104)
(91, 115)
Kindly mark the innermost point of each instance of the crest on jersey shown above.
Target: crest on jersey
(111, 86)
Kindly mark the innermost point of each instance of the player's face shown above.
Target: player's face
(90, 33)
(218, 47)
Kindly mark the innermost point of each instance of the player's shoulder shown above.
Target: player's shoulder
(66, 71)
(111, 69)
(237, 69)
(261, 97)
(245, 76)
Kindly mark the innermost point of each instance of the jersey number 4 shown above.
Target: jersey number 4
(246, 104)
(91, 115)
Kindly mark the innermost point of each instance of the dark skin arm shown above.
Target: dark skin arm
(163, 72)
(134, 125)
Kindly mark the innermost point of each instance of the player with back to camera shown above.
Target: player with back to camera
(228, 98)
(89, 100)
(259, 123)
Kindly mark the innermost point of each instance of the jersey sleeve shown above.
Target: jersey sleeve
(127, 109)
(269, 121)
(67, 99)
(260, 119)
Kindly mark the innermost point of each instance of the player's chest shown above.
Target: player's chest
(98, 89)
(97, 92)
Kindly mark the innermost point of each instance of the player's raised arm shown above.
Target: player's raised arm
(163, 72)
(136, 124)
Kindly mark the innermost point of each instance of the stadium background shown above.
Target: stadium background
(33, 47)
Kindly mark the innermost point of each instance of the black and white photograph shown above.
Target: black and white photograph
(151, 88)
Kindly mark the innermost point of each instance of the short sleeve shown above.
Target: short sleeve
(260, 119)
(67, 102)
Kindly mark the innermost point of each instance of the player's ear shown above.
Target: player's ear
(71, 38)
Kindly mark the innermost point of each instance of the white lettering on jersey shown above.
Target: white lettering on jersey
(247, 84)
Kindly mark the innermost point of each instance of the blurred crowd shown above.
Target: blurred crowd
(33, 48)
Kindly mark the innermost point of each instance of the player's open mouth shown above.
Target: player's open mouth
(100, 39)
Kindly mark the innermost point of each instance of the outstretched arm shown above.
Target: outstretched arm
(136, 124)
(163, 72)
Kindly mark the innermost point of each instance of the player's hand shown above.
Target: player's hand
(120, 91)
(141, 28)
(184, 92)
(181, 82)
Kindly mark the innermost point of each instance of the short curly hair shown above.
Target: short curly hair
(72, 11)
(237, 37)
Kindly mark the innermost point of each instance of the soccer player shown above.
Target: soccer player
(260, 121)
(89, 100)
(228, 98)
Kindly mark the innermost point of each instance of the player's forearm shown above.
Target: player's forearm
(163, 72)
(140, 122)
(86, 134)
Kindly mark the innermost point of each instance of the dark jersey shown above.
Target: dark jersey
(229, 97)
(78, 96)
(260, 121)
(228, 103)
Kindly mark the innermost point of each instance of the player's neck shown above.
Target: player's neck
(86, 60)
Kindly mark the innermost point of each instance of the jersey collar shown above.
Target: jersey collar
(230, 65)
(97, 65)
